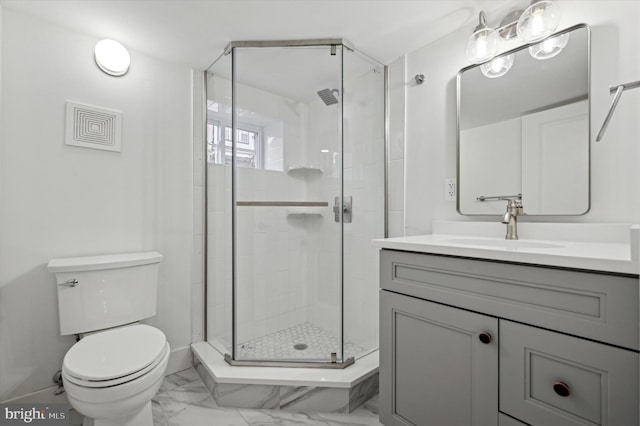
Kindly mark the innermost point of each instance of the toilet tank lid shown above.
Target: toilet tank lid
(108, 261)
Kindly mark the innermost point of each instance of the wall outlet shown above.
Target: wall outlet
(450, 189)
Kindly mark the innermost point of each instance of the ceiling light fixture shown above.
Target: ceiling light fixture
(112, 57)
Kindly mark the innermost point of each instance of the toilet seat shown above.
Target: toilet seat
(114, 356)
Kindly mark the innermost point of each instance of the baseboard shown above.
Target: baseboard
(180, 359)
(42, 396)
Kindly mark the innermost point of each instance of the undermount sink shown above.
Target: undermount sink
(506, 244)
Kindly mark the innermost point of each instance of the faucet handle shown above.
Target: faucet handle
(514, 206)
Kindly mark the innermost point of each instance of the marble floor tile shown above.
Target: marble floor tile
(183, 400)
(75, 418)
(371, 405)
(159, 417)
(179, 379)
(283, 418)
(302, 399)
(363, 391)
(200, 416)
(193, 394)
(246, 396)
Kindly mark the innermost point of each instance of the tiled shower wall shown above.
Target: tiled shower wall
(197, 269)
(398, 84)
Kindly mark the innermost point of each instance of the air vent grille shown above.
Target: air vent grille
(92, 127)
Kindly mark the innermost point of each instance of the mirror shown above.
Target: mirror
(526, 132)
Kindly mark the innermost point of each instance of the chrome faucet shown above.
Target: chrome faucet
(514, 209)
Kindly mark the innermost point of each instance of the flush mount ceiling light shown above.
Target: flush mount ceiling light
(112, 57)
(538, 21)
(549, 47)
(497, 67)
(483, 43)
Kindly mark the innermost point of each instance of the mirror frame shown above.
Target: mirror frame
(517, 49)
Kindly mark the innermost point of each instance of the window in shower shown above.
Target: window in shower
(220, 144)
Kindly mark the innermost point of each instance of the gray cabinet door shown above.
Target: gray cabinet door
(434, 369)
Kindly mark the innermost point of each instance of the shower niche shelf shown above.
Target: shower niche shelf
(304, 170)
(310, 212)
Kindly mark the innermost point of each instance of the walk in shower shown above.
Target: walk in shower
(295, 191)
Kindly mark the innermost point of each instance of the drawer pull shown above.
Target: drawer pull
(485, 337)
(562, 389)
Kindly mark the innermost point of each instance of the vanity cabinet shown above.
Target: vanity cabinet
(475, 342)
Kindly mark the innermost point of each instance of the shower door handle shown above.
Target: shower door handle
(346, 209)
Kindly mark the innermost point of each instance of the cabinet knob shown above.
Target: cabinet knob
(562, 389)
(485, 337)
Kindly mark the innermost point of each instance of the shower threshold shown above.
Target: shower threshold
(289, 364)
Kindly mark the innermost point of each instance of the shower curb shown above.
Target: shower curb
(296, 395)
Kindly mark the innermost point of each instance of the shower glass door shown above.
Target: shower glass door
(295, 164)
(284, 143)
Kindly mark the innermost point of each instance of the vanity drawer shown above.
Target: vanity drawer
(547, 378)
(597, 306)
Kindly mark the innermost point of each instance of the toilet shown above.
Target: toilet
(117, 366)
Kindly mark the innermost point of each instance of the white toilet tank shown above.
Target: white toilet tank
(99, 292)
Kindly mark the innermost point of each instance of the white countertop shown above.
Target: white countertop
(614, 247)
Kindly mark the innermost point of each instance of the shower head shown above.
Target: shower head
(328, 97)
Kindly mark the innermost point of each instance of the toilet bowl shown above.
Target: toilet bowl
(110, 377)
(111, 374)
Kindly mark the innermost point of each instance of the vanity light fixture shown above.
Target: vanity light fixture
(112, 57)
(483, 43)
(497, 67)
(549, 47)
(538, 21)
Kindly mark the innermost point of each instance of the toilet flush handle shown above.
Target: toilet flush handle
(70, 283)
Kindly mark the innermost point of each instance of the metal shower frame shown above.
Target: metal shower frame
(332, 43)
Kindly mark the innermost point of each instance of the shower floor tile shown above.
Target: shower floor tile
(281, 345)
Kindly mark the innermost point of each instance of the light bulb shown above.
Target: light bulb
(497, 67)
(550, 47)
(547, 46)
(482, 45)
(537, 24)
